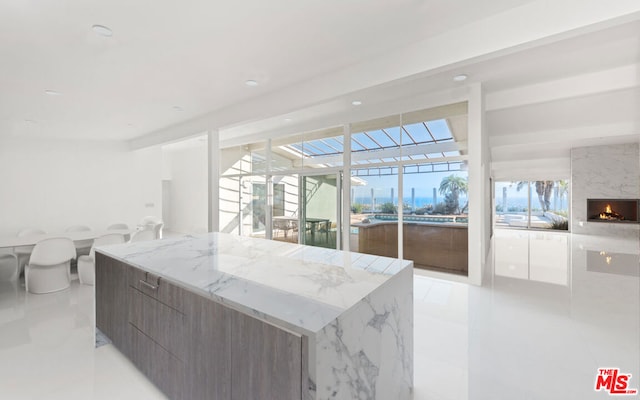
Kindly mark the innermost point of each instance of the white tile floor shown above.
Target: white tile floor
(551, 312)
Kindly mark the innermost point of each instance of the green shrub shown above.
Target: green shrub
(388, 208)
(356, 208)
(560, 224)
(440, 208)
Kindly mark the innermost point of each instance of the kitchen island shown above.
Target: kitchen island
(229, 317)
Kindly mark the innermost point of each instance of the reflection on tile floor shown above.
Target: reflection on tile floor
(546, 319)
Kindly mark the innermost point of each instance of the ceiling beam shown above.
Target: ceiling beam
(625, 77)
(565, 135)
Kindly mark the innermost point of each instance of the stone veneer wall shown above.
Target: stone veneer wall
(603, 172)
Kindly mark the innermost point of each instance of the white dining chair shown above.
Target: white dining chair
(82, 246)
(143, 236)
(120, 225)
(117, 225)
(23, 253)
(49, 267)
(153, 223)
(87, 264)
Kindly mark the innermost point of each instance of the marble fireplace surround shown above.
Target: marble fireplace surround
(604, 172)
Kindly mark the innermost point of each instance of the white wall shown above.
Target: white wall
(187, 170)
(53, 184)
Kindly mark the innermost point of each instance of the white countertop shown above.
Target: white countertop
(301, 287)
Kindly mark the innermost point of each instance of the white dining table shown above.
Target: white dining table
(30, 240)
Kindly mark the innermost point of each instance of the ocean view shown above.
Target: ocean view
(512, 202)
(419, 201)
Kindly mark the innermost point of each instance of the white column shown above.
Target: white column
(214, 179)
(477, 186)
(400, 212)
(268, 211)
(346, 188)
(400, 201)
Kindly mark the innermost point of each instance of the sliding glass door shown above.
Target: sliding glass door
(542, 204)
(286, 208)
(320, 198)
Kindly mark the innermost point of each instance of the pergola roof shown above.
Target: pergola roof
(389, 144)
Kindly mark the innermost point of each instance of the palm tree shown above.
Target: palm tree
(563, 188)
(543, 189)
(452, 186)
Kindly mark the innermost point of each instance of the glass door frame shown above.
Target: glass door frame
(302, 206)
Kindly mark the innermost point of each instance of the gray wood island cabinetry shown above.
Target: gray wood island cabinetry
(218, 316)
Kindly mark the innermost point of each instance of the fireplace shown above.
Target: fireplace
(612, 210)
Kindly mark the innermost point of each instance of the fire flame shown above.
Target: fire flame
(606, 213)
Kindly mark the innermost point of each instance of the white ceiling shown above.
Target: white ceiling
(198, 54)
(194, 54)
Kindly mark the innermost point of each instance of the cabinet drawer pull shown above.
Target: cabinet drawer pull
(147, 284)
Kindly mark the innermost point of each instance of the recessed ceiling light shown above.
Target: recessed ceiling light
(251, 82)
(460, 78)
(178, 108)
(102, 30)
(52, 92)
(288, 120)
(356, 102)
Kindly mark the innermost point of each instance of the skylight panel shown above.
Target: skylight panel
(311, 149)
(451, 153)
(296, 146)
(406, 139)
(365, 141)
(382, 139)
(419, 133)
(335, 144)
(322, 147)
(439, 129)
(434, 155)
(394, 134)
(355, 146)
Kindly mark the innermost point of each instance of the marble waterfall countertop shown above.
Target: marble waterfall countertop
(299, 287)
